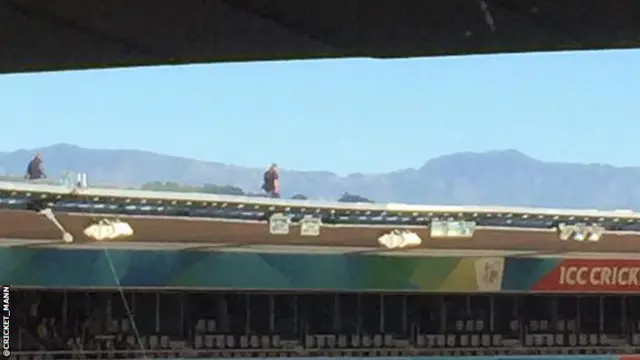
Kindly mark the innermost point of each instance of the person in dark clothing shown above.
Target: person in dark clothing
(271, 184)
(35, 169)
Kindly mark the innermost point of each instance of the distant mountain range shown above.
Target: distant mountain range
(506, 177)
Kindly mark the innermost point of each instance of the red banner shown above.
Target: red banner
(591, 275)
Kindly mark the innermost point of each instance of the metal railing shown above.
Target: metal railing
(346, 352)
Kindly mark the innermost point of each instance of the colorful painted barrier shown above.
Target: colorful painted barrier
(56, 268)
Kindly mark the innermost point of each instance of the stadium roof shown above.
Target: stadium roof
(73, 34)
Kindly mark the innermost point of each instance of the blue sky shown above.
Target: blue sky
(341, 115)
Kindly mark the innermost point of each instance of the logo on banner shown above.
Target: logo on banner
(489, 273)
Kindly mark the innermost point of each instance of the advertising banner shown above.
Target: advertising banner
(55, 268)
(592, 275)
(629, 357)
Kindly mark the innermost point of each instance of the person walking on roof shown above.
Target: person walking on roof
(271, 183)
(35, 169)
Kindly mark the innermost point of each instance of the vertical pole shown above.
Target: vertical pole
(517, 313)
(182, 313)
(296, 319)
(601, 313)
(625, 324)
(65, 309)
(222, 314)
(157, 311)
(554, 312)
(133, 302)
(404, 314)
(578, 320)
(87, 312)
(337, 320)
(108, 310)
(443, 315)
(247, 308)
(87, 303)
(272, 313)
(359, 312)
(492, 312)
(381, 313)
